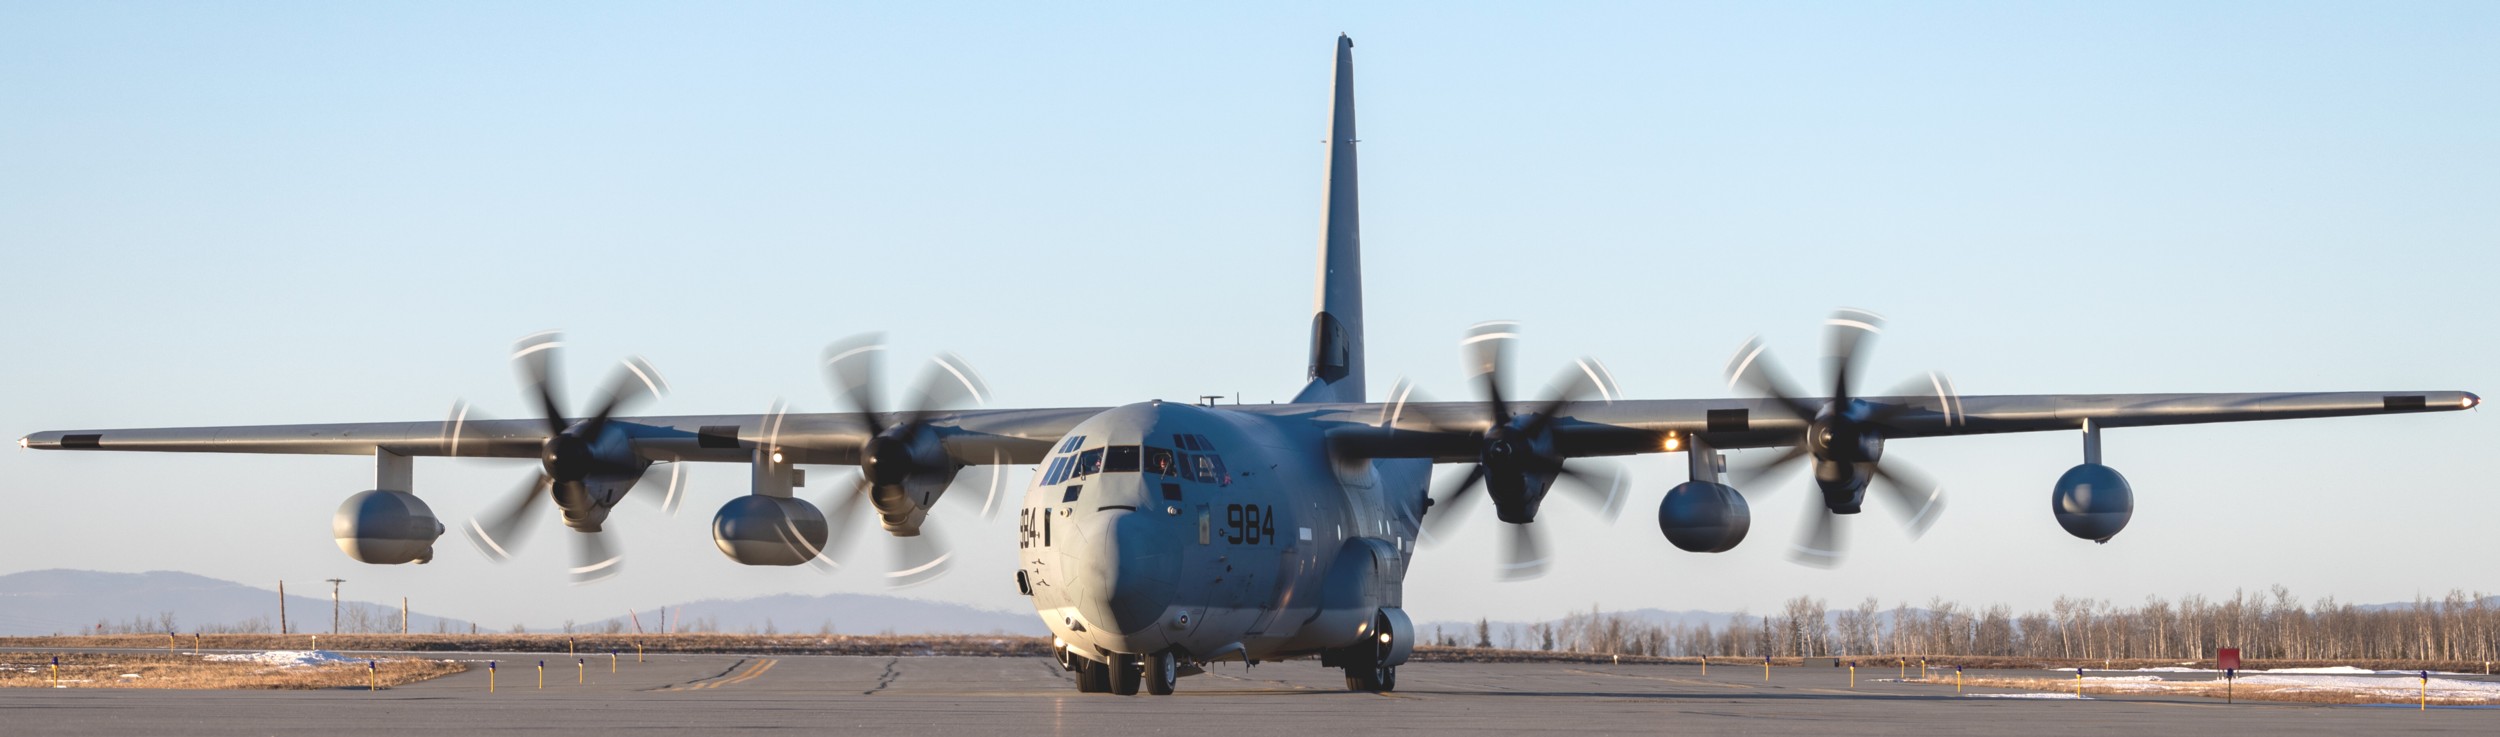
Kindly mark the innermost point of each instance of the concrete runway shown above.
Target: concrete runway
(713, 694)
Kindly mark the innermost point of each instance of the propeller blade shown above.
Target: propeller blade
(635, 381)
(1919, 497)
(1753, 368)
(1845, 338)
(535, 357)
(1523, 554)
(1487, 347)
(1820, 542)
(1572, 386)
(918, 559)
(855, 368)
(1600, 483)
(1452, 502)
(948, 383)
(595, 558)
(841, 510)
(990, 480)
(503, 531)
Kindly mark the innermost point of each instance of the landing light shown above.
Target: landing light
(1673, 443)
(776, 456)
(1384, 638)
(1059, 643)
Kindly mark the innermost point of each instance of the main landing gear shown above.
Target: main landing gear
(1124, 674)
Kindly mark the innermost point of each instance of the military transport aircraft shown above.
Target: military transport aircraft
(1158, 537)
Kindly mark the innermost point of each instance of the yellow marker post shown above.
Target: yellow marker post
(169, 643)
(1957, 679)
(542, 675)
(490, 676)
(2078, 682)
(1766, 669)
(2426, 691)
(1905, 667)
(637, 652)
(581, 672)
(56, 671)
(611, 661)
(568, 646)
(373, 676)
(1705, 665)
(195, 642)
(1853, 675)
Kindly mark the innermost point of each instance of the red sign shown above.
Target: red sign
(2227, 658)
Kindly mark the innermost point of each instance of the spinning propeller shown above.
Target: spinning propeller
(582, 466)
(1517, 462)
(903, 467)
(1844, 436)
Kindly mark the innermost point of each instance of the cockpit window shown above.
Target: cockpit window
(1184, 441)
(1202, 442)
(1069, 445)
(1210, 468)
(1161, 461)
(1121, 458)
(1089, 462)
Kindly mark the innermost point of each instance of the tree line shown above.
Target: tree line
(2273, 625)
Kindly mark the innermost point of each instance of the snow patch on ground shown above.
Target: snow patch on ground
(285, 658)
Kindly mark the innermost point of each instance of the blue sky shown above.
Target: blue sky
(272, 213)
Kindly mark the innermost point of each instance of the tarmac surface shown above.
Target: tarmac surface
(713, 694)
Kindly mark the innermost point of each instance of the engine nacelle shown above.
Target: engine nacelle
(386, 528)
(1704, 517)
(762, 530)
(2093, 502)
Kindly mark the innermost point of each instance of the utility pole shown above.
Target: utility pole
(334, 604)
(282, 607)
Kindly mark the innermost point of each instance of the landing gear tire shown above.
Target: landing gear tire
(1367, 667)
(1092, 676)
(1126, 672)
(1376, 679)
(1163, 670)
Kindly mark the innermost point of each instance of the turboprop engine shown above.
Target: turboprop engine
(760, 530)
(2093, 502)
(1704, 517)
(386, 528)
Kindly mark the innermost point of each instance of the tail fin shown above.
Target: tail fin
(1336, 373)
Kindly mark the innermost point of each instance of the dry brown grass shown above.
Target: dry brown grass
(187, 671)
(2215, 689)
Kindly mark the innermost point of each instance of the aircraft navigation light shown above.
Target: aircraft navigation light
(776, 456)
(21, 442)
(1673, 443)
(2468, 402)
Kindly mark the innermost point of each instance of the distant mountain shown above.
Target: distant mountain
(63, 601)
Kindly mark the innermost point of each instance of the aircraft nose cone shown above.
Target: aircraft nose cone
(1131, 564)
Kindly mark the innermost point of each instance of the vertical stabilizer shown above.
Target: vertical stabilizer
(1336, 371)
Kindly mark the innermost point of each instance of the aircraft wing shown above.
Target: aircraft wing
(1443, 431)
(972, 436)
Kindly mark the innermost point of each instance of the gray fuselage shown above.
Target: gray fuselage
(1218, 534)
